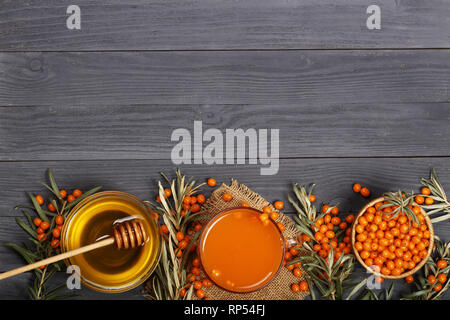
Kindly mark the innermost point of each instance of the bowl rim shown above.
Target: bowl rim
(66, 226)
(405, 274)
(223, 212)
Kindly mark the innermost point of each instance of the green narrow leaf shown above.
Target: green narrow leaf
(53, 184)
(25, 227)
(38, 208)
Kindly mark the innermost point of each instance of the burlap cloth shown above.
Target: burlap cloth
(280, 286)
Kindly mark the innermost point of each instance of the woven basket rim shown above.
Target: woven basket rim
(403, 275)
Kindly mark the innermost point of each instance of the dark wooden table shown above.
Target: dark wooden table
(98, 105)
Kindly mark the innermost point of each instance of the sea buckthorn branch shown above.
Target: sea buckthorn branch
(326, 263)
(435, 281)
(170, 277)
(400, 202)
(45, 226)
(436, 201)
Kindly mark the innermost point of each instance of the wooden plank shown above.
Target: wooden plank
(229, 77)
(144, 131)
(206, 24)
(334, 178)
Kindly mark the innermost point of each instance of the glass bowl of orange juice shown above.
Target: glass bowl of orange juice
(239, 252)
(109, 269)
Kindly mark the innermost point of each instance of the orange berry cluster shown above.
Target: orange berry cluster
(267, 214)
(71, 197)
(364, 191)
(43, 226)
(195, 280)
(290, 254)
(423, 199)
(435, 282)
(327, 227)
(190, 203)
(389, 242)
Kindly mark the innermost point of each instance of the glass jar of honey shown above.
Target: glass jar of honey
(239, 252)
(108, 269)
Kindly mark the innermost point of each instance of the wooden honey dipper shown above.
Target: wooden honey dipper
(126, 234)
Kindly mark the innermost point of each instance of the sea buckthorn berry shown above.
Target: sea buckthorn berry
(263, 216)
(201, 199)
(200, 294)
(442, 277)
(39, 200)
(335, 210)
(56, 233)
(425, 191)
(179, 252)
(330, 234)
(197, 285)
(295, 288)
(207, 283)
(325, 208)
(437, 287)
(429, 201)
(59, 220)
(167, 192)
(293, 251)
(39, 230)
(266, 209)
(180, 236)
(212, 182)
(343, 225)
(76, 193)
(227, 197)
(441, 264)
(195, 208)
(280, 226)
(63, 193)
(44, 225)
(419, 199)
(245, 204)
(37, 222)
(51, 207)
(312, 198)
(306, 238)
(71, 198)
(193, 200)
(431, 279)
(55, 243)
(197, 227)
(303, 286)
(274, 215)
(297, 272)
(365, 192)
(196, 262)
(357, 188)
(183, 244)
(165, 229)
(350, 218)
(336, 221)
(41, 237)
(278, 205)
(182, 292)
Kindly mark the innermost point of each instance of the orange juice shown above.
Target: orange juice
(239, 252)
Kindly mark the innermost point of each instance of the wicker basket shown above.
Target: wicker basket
(405, 274)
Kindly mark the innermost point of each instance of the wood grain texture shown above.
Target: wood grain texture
(144, 131)
(269, 77)
(333, 177)
(205, 24)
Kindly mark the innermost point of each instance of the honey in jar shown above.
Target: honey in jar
(239, 252)
(108, 269)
